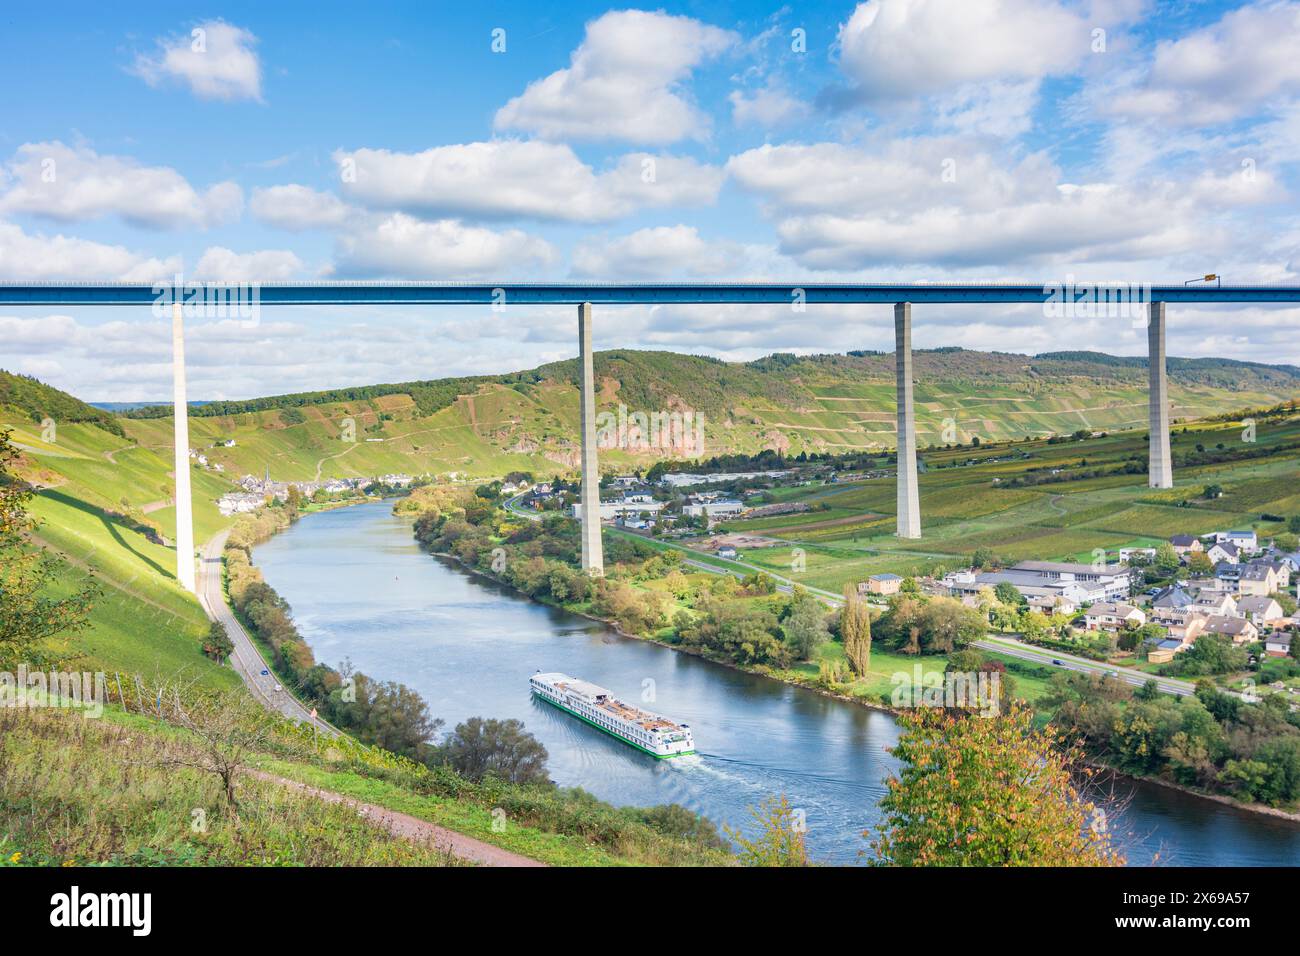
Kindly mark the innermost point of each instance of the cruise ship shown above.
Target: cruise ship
(649, 733)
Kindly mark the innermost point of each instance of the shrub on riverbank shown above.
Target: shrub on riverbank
(1213, 741)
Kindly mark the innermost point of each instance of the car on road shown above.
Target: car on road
(1057, 662)
(1112, 673)
(265, 672)
(278, 688)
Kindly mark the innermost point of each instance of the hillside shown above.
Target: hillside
(824, 403)
(39, 402)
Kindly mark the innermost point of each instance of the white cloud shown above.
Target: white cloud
(24, 256)
(69, 184)
(296, 207)
(216, 61)
(623, 82)
(935, 202)
(898, 174)
(267, 265)
(1247, 60)
(521, 179)
(905, 48)
(401, 246)
(1004, 109)
(767, 107)
(654, 253)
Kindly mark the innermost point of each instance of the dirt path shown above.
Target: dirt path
(320, 463)
(411, 828)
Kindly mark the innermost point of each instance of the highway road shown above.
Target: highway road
(245, 658)
(1070, 662)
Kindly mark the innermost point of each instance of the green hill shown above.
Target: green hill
(40, 402)
(822, 403)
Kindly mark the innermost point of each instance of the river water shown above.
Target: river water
(362, 589)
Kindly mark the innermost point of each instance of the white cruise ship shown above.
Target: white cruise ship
(651, 733)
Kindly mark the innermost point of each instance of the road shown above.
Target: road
(245, 658)
(1070, 662)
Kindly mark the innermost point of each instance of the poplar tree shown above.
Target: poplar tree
(855, 628)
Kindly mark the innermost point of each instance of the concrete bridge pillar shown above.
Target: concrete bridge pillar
(1160, 467)
(181, 436)
(909, 496)
(593, 556)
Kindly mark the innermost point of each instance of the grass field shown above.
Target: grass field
(965, 507)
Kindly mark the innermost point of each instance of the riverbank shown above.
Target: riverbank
(363, 589)
(876, 702)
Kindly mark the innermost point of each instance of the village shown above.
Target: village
(1148, 603)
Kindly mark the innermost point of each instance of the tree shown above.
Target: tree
(984, 558)
(805, 628)
(389, 715)
(502, 749)
(224, 729)
(29, 616)
(218, 645)
(1008, 593)
(855, 630)
(1210, 654)
(780, 839)
(986, 791)
(1166, 558)
(1199, 564)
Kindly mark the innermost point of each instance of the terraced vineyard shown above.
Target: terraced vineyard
(963, 507)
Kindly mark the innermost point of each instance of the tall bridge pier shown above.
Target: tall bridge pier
(593, 557)
(1160, 464)
(909, 493)
(181, 438)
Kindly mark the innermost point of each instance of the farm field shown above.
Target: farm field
(965, 507)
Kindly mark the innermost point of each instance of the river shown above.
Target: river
(362, 589)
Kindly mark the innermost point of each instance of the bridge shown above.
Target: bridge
(1060, 301)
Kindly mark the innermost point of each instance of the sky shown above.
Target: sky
(908, 140)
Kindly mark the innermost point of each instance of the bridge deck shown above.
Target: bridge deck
(699, 293)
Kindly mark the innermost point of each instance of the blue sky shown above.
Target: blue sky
(908, 139)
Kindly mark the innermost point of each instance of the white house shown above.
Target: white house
(1278, 644)
(1244, 540)
(1260, 609)
(1223, 551)
(1105, 616)
(1257, 578)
